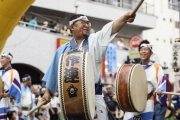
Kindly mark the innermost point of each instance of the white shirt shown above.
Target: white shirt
(98, 43)
(54, 102)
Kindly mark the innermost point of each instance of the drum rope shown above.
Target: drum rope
(61, 89)
(84, 88)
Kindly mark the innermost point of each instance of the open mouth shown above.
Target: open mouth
(86, 30)
(143, 55)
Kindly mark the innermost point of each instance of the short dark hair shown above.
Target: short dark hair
(143, 42)
(10, 114)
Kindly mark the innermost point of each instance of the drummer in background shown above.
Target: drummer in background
(154, 75)
(11, 80)
(27, 102)
(96, 44)
(161, 106)
(110, 100)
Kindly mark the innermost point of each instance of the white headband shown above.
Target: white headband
(7, 55)
(147, 45)
(109, 86)
(26, 78)
(79, 18)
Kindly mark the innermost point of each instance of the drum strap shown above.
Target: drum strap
(150, 94)
(98, 88)
(111, 116)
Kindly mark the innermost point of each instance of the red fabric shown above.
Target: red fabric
(169, 88)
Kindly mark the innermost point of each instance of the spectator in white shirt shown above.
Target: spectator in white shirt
(53, 111)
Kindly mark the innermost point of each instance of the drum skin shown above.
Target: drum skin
(76, 87)
(131, 88)
(168, 113)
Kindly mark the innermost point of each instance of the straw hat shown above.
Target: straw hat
(45, 23)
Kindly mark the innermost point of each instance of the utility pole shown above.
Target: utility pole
(176, 46)
(76, 5)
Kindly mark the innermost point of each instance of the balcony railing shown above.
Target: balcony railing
(174, 7)
(129, 4)
(43, 29)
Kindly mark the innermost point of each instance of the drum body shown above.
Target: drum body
(76, 85)
(131, 88)
(1, 86)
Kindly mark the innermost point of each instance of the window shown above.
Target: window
(177, 24)
(174, 1)
(170, 20)
(171, 41)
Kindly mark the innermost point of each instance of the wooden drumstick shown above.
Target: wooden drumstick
(103, 84)
(137, 7)
(38, 106)
(171, 93)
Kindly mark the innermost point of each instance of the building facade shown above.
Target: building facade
(164, 35)
(33, 49)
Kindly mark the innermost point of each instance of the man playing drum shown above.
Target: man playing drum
(154, 75)
(95, 44)
(12, 89)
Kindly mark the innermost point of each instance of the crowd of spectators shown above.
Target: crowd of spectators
(53, 27)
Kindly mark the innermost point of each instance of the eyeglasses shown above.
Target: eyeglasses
(85, 23)
(2, 56)
(144, 49)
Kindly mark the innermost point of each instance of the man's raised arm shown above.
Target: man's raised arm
(119, 23)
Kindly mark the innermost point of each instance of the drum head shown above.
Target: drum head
(168, 113)
(89, 81)
(138, 88)
(121, 114)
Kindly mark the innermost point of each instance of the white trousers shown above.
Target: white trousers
(101, 111)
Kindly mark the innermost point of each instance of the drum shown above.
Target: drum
(76, 85)
(1, 86)
(121, 115)
(168, 113)
(131, 88)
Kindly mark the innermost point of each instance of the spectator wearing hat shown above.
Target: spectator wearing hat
(26, 103)
(44, 26)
